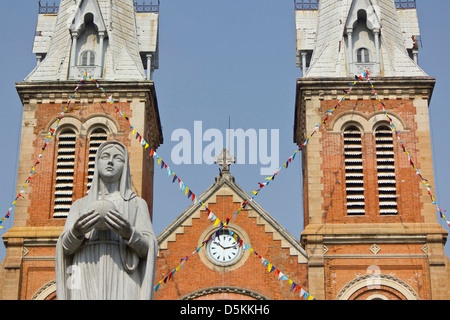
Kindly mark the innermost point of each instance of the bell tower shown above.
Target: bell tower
(94, 58)
(371, 229)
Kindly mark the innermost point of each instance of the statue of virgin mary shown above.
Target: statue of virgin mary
(107, 250)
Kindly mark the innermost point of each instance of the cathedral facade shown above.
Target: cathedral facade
(371, 230)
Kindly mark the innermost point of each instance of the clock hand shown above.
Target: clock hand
(219, 245)
(228, 247)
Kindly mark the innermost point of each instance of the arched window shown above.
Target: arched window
(65, 168)
(387, 190)
(96, 138)
(363, 55)
(88, 58)
(354, 177)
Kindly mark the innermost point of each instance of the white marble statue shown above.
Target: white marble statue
(108, 249)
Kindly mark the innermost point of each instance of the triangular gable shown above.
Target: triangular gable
(228, 187)
(85, 7)
(373, 18)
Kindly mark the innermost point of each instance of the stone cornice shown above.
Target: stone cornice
(394, 85)
(64, 89)
(121, 91)
(378, 232)
(32, 232)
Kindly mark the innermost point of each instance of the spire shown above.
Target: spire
(342, 38)
(110, 39)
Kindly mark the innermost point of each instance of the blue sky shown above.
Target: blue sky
(221, 59)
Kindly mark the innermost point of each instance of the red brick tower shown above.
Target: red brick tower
(114, 47)
(371, 229)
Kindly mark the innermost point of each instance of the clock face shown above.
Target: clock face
(224, 249)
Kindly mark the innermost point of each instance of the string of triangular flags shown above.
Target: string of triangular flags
(188, 192)
(286, 164)
(152, 153)
(294, 287)
(211, 216)
(214, 219)
(183, 261)
(47, 139)
(184, 188)
(402, 145)
(328, 113)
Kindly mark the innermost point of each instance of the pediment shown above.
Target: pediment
(372, 12)
(86, 8)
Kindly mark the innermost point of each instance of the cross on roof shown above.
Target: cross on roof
(225, 159)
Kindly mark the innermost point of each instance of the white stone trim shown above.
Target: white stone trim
(367, 123)
(44, 291)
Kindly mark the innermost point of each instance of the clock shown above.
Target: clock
(223, 249)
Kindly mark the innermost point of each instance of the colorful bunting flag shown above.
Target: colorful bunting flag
(410, 159)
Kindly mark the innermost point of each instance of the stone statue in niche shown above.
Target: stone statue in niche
(107, 250)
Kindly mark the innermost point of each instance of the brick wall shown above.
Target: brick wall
(43, 185)
(407, 183)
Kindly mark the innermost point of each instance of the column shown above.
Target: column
(303, 63)
(73, 53)
(101, 35)
(350, 43)
(38, 58)
(416, 56)
(376, 33)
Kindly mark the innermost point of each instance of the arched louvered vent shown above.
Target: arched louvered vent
(65, 168)
(387, 190)
(96, 138)
(354, 177)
